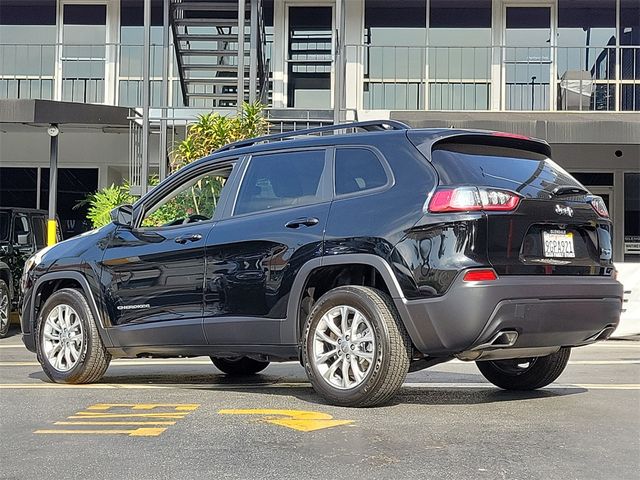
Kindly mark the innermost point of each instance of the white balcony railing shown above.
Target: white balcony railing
(393, 77)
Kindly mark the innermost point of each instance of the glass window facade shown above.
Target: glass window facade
(131, 50)
(459, 54)
(84, 31)
(27, 49)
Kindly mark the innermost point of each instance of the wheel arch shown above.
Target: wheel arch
(314, 268)
(48, 283)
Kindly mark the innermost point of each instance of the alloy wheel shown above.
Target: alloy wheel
(62, 338)
(344, 347)
(4, 309)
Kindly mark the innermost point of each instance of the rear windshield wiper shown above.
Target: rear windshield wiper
(569, 190)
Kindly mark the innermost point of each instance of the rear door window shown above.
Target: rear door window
(531, 174)
(357, 170)
(278, 180)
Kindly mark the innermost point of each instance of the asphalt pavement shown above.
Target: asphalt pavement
(166, 419)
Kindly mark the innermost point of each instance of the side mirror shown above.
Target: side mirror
(23, 239)
(122, 216)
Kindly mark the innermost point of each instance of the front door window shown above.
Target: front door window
(194, 201)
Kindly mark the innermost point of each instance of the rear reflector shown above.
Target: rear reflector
(485, 274)
(464, 199)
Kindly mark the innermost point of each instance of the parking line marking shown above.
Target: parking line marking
(100, 415)
(114, 423)
(301, 420)
(121, 415)
(138, 432)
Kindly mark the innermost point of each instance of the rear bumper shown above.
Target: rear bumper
(545, 311)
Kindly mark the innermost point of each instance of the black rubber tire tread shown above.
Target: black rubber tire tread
(544, 371)
(5, 288)
(394, 349)
(241, 367)
(94, 358)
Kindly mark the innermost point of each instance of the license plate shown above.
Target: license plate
(558, 244)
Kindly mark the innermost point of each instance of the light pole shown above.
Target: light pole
(53, 132)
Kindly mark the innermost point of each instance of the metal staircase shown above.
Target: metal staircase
(219, 63)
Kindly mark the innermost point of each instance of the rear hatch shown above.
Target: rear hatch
(556, 227)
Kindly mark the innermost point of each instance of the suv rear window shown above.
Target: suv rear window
(281, 180)
(358, 169)
(528, 173)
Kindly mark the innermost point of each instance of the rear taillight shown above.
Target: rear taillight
(599, 206)
(464, 199)
(480, 275)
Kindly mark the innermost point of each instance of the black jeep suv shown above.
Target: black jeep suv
(365, 255)
(23, 232)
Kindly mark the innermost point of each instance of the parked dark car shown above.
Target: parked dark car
(365, 256)
(23, 231)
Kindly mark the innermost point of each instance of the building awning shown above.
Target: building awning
(45, 112)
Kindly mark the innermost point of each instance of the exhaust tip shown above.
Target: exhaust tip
(506, 338)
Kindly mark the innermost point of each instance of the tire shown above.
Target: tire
(239, 367)
(92, 359)
(540, 372)
(5, 309)
(375, 369)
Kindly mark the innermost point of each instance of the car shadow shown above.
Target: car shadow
(434, 389)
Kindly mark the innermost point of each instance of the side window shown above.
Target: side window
(21, 230)
(39, 230)
(358, 169)
(195, 200)
(281, 180)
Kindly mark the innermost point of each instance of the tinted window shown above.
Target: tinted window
(21, 230)
(281, 180)
(39, 230)
(529, 173)
(4, 226)
(358, 169)
(194, 201)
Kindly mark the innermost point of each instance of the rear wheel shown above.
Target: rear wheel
(239, 366)
(525, 373)
(69, 346)
(356, 350)
(5, 309)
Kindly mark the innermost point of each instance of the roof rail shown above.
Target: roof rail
(369, 126)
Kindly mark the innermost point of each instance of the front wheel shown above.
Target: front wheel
(525, 373)
(355, 349)
(69, 347)
(240, 366)
(5, 309)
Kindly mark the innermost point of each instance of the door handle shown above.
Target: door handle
(306, 221)
(188, 238)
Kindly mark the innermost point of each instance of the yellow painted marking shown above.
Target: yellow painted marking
(138, 432)
(114, 423)
(104, 412)
(300, 420)
(146, 406)
(120, 415)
